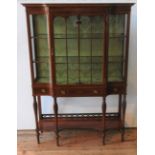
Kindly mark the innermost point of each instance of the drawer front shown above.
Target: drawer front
(116, 88)
(41, 91)
(85, 92)
(77, 92)
(61, 92)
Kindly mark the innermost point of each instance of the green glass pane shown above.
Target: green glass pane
(41, 47)
(97, 47)
(117, 24)
(85, 27)
(97, 73)
(72, 27)
(61, 73)
(114, 72)
(73, 73)
(118, 59)
(43, 80)
(61, 59)
(42, 59)
(73, 59)
(85, 47)
(85, 73)
(117, 32)
(116, 46)
(72, 46)
(42, 70)
(60, 47)
(97, 27)
(39, 24)
(59, 27)
(86, 59)
(97, 59)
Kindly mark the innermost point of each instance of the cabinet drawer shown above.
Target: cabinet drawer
(85, 92)
(61, 92)
(41, 91)
(116, 88)
(77, 92)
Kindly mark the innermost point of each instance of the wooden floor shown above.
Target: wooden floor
(77, 142)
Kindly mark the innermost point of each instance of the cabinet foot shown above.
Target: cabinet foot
(57, 138)
(103, 140)
(38, 137)
(122, 135)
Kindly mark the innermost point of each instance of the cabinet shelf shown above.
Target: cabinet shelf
(80, 120)
(41, 59)
(39, 36)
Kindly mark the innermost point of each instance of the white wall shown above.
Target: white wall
(25, 119)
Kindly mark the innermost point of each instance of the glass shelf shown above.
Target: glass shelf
(89, 36)
(39, 36)
(41, 59)
(115, 59)
(82, 36)
(80, 59)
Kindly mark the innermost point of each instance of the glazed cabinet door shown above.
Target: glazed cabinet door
(39, 48)
(79, 49)
(117, 49)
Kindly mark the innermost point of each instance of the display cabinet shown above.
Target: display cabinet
(78, 50)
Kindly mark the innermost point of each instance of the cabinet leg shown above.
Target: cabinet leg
(36, 118)
(123, 116)
(56, 120)
(104, 118)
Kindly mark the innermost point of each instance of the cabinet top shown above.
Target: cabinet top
(76, 4)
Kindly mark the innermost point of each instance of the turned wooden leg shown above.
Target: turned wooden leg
(123, 116)
(104, 119)
(56, 120)
(120, 111)
(36, 118)
(39, 111)
(120, 104)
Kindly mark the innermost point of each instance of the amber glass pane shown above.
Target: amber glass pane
(117, 39)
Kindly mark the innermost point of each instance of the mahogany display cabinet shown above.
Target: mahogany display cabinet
(78, 50)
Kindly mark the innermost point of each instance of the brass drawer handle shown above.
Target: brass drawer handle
(95, 92)
(43, 90)
(62, 92)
